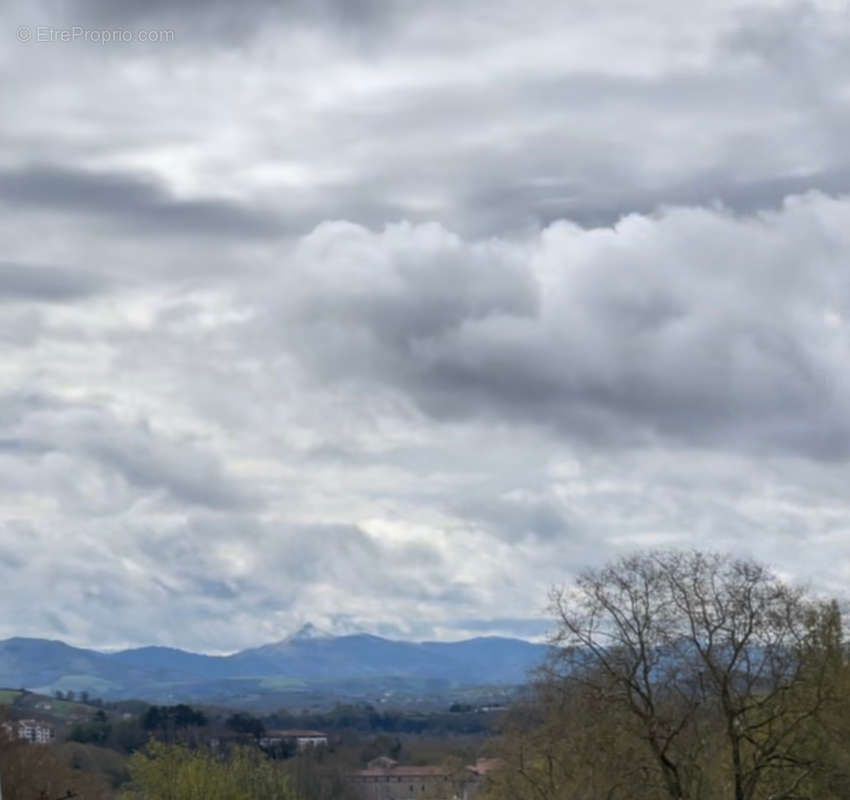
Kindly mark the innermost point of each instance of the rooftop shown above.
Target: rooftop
(400, 772)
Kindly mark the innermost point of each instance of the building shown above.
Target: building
(30, 730)
(300, 739)
(406, 783)
(385, 779)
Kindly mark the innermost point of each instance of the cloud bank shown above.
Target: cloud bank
(391, 316)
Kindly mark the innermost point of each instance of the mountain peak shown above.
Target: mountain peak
(308, 631)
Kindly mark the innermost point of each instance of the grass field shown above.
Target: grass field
(276, 684)
(77, 683)
(31, 701)
(8, 696)
(62, 708)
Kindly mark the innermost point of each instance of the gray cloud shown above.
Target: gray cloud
(98, 448)
(639, 335)
(715, 188)
(10, 560)
(516, 518)
(225, 21)
(134, 201)
(46, 283)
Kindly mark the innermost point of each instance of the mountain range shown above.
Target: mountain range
(302, 664)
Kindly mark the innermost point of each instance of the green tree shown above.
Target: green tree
(245, 723)
(95, 731)
(316, 777)
(127, 736)
(174, 772)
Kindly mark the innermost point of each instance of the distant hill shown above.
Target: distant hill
(300, 662)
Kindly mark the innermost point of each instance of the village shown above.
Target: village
(378, 778)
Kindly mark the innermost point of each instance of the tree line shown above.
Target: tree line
(366, 718)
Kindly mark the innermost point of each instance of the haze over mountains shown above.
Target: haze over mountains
(306, 660)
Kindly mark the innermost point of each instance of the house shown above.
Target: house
(385, 779)
(30, 730)
(405, 783)
(302, 739)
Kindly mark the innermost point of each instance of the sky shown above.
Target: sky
(390, 316)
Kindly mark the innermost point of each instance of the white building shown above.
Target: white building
(30, 730)
(302, 739)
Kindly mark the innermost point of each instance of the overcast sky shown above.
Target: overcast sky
(389, 314)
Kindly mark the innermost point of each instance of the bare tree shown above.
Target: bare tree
(718, 663)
